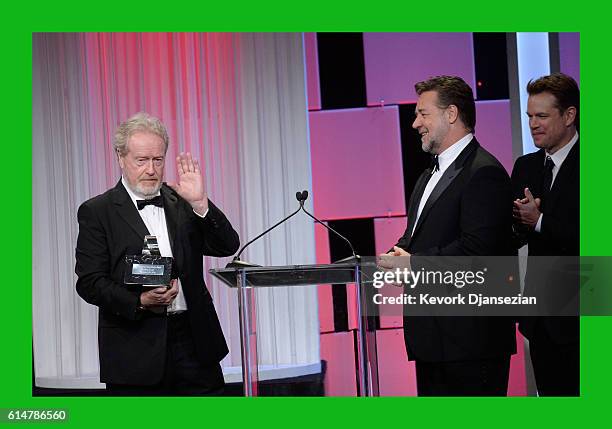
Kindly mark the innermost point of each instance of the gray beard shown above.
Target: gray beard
(430, 147)
(144, 193)
(148, 193)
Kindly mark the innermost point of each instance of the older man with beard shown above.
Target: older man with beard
(164, 340)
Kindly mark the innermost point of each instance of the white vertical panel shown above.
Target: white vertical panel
(533, 61)
(279, 143)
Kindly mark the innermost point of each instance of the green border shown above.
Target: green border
(15, 317)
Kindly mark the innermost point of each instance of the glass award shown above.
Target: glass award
(148, 269)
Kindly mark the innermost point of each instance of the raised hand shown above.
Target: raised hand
(191, 185)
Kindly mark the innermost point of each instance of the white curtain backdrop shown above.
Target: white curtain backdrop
(237, 101)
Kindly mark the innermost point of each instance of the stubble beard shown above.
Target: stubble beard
(430, 146)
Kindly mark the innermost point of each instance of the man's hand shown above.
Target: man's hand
(191, 184)
(527, 210)
(398, 251)
(389, 261)
(160, 296)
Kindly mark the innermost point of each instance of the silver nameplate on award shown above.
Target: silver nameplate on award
(148, 270)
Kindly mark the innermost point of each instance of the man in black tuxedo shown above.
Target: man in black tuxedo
(547, 219)
(161, 340)
(459, 207)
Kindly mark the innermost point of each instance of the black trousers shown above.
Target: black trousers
(556, 366)
(183, 374)
(483, 377)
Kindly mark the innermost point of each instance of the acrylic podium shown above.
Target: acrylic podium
(248, 279)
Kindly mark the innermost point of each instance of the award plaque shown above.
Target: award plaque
(150, 268)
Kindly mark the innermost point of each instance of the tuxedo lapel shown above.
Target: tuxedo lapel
(128, 212)
(447, 178)
(566, 173)
(172, 212)
(417, 194)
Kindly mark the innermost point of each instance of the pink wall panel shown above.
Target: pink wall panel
(386, 232)
(493, 129)
(394, 62)
(356, 163)
(312, 71)
(324, 292)
(351, 305)
(397, 375)
(517, 385)
(338, 351)
(326, 308)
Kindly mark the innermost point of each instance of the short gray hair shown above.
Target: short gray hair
(139, 123)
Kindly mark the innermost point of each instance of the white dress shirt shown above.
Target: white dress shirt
(557, 158)
(445, 159)
(155, 220)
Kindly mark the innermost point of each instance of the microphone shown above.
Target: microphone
(302, 197)
(237, 263)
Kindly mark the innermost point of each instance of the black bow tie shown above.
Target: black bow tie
(434, 166)
(155, 201)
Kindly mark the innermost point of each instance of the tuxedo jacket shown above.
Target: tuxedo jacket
(132, 343)
(558, 236)
(468, 213)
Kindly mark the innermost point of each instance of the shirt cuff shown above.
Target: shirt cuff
(202, 216)
(538, 226)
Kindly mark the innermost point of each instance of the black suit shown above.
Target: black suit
(554, 341)
(467, 213)
(132, 343)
